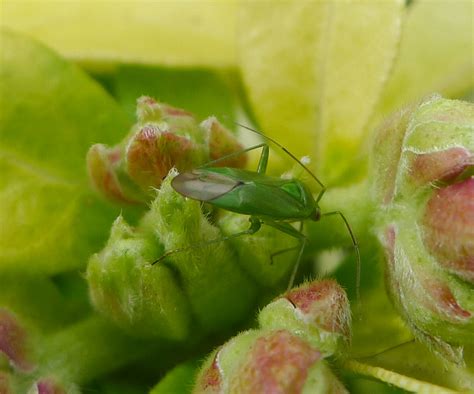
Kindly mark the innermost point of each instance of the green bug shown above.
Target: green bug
(268, 200)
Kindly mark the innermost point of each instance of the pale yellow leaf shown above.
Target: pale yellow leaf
(183, 33)
(436, 53)
(314, 71)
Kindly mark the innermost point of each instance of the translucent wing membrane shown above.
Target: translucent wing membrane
(203, 185)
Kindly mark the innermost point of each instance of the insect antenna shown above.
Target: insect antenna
(389, 349)
(284, 150)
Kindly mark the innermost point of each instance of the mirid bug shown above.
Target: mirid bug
(268, 200)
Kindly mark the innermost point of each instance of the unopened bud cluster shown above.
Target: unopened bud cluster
(164, 137)
(422, 181)
(286, 354)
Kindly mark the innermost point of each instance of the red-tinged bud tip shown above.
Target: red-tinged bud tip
(101, 162)
(325, 303)
(211, 379)
(278, 363)
(5, 383)
(443, 300)
(221, 143)
(13, 342)
(449, 228)
(48, 386)
(444, 165)
(148, 109)
(151, 154)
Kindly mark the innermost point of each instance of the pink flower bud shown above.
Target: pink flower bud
(48, 386)
(319, 311)
(14, 342)
(211, 379)
(420, 171)
(221, 143)
(449, 228)
(444, 165)
(151, 154)
(278, 363)
(325, 304)
(5, 383)
(163, 138)
(102, 164)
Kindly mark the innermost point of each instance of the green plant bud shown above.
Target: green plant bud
(164, 137)
(50, 386)
(103, 165)
(152, 152)
(267, 361)
(15, 343)
(258, 253)
(449, 228)
(318, 312)
(36, 302)
(82, 352)
(31, 308)
(5, 383)
(421, 178)
(218, 290)
(142, 299)
(222, 142)
(151, 110)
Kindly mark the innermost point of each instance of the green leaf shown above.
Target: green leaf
(196, 90)
(435, 54)
(51, 113)
(361, 43)
(316, 69)
(425, 366)
(412, 384)
(179, 380)
(140, 32)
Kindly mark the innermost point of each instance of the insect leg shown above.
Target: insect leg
(262, 163)
(287, 152)
(234, 154)
(287, 249)
(255, 225)
(321, 194)
(282, 251)
(356, 247)
(288, 229)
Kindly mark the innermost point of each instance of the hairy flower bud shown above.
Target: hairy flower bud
(259, 253)
(163, 137)
(5, 383)
(14, 342)
(318, 311)
(449, 228)
(142, 299)
(166, 299)
(421, 180)
(221, 142)
(267, 361)
(49, 386)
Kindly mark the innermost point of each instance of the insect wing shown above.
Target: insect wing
(203, 185)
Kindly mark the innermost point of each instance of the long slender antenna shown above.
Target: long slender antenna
(356, 247)
(284, 150)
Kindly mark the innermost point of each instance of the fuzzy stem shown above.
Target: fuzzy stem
(393, 378)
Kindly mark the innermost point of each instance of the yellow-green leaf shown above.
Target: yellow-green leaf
(147, 32)
(436, 53)
(316, 69)
(361, 44)
(280, 44)
(51, 113)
